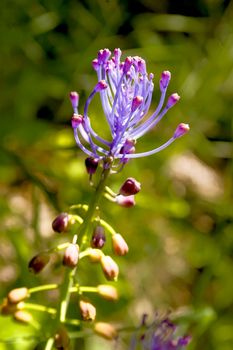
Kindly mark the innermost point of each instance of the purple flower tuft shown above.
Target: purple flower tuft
(125, 90)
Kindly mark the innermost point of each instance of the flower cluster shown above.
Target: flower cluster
(160, 335)
(125, 90)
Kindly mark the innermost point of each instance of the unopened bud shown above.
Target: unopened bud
(88, 311)
(105, 330)
(130, 187)
(76, 120)
(172, 100)
(17, 295)
(127, 64)
(61, 339)
(38, 262)
(61, 223)
(107, 292)
(95, 64)
(119, 245)
(23, 316)
(71, 255)
(98, 238)
(91, 165)
(101, 85)
(95, 255)
(74, 98)
(103, 55)
(137, 101)
(165, 79)
(125, 201)
(8, 308)
(109, 267)
(181, 130)
(117, 55)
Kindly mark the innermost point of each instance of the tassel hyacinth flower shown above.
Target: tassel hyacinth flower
(125, 90)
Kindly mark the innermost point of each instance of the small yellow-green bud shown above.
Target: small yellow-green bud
(107, 292)
(17, 295)
(23, 316)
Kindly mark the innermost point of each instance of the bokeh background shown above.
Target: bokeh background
(180, 233)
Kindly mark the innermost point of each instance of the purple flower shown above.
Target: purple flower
(160, 335)
(125, 90)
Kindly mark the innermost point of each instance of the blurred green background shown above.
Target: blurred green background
(180, 233)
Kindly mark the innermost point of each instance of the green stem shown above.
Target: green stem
(42, 288)
(68, 282)
(49, 344)
(37, 307)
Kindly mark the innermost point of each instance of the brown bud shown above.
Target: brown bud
(23, 316)
(17, 295)
(88, 311)
(105, 330)
(71, 255)
(120, 246)
(95, 255)
(61, 339)
(8, 308)
(130, 186)
(107, 292)
(38, 262)
(109, 267)
(61, 223)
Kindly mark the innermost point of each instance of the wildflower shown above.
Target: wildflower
(125, 90)
(160, 335)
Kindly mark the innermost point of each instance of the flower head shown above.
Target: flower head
(125, 90)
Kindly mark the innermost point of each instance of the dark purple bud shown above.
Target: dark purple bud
(141, 66)
(38, 262)
(172, 100)
(125, 201)
(91, 165)
(76, 120)
(98, 237)
(181, 130)
(61, 223)
(130, 186)
(71, 255)
(74, 98)
(165, 79)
